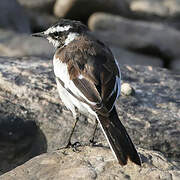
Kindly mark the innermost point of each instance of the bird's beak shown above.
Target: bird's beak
(40, 34)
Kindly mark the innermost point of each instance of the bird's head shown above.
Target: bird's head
(63, 32)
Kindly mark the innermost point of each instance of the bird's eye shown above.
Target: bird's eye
(56, 34)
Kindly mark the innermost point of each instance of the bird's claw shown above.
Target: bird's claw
(74, 146)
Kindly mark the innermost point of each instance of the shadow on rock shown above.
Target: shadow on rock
(20, 140)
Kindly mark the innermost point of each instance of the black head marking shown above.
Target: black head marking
(62, 30)
(65, 26)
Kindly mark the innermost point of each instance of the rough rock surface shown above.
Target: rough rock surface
(153, 39)
(82, 9)
(88, 164)
(29, 100)
(152, 114)
(10, 10)
(14, 44)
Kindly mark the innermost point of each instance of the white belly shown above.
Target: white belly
(71, 103)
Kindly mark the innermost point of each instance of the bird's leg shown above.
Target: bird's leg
(69, 140)
(92, 142)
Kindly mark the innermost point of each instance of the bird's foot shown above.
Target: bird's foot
(92, 142)
(74, 146)
(65, 108)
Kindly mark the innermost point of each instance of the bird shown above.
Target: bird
(89, 81)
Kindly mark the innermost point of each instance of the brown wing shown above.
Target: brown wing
(93, 70)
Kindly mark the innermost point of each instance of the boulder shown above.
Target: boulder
(20, 137)
(162, 8)
(124, 56)
(40, 21)
(38, 5)
(153, 39)
(151, 116)
(175, 64)
(13, 17)
(82, 9)
(93, 163)
(33, 119)
(13, 44)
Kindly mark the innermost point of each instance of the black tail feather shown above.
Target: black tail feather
(119, 139)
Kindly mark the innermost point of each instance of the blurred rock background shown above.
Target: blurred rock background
(32, 118)
(143, 32)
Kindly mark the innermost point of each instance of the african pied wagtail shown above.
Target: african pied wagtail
(88, 79)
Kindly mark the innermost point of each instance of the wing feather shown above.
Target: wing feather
(94, 72)
(88, 89)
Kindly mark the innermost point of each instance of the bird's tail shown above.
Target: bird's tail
(118, 138)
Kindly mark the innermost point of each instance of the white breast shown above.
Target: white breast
(61, 71)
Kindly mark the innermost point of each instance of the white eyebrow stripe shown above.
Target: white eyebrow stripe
(70, 37)
(65, 28)
(57, 29)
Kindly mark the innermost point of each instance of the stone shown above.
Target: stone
(38, 5)
(126, 89)
(147, 38)
(40, 13)
(162, 8)
(82, 9)
(151, 115)
(13, 17)
(29, 100)
(175, 65)
(125, 56)
(18, 137)
(36, 105)
(40, 21)
(93, 163)
(162, 11)
(14, 44)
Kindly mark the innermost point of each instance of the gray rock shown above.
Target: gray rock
(13, 17)
(40, 21)
(82, 9)
(36, 101)
(38, 5)
(162, 11)
(163, 8)
(125, 56)
(13, 44)
(29, 100)
(93, 163)
(20, 137)
(126, 89)
(152, 115)
(175, 64)
(144, 37)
